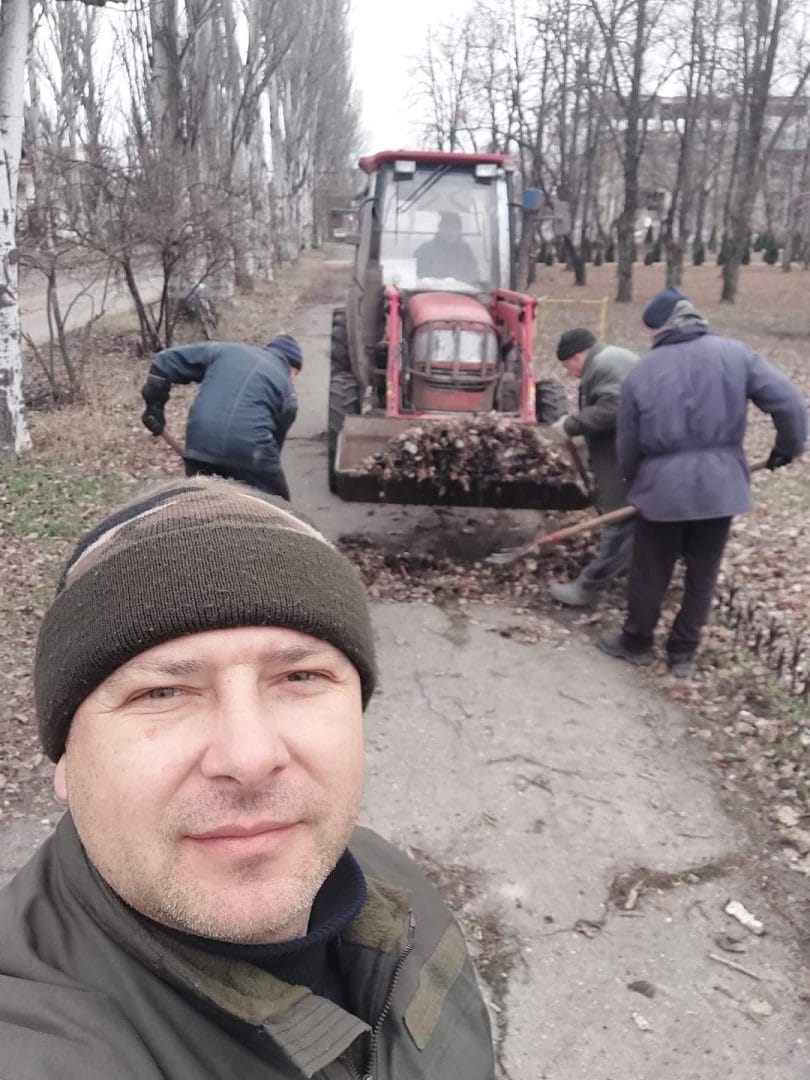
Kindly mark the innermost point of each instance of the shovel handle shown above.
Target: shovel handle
(622, 514)
(172, 442)
(579, 465)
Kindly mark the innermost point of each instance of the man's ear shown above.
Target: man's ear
(60, 781)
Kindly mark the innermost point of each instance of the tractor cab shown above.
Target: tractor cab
(440, 224)
(432, 326)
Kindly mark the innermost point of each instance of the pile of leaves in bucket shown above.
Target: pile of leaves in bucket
(472, 452)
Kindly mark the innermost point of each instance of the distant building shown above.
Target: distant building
(787, 168)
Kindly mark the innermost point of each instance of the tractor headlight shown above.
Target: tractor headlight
(486, 170)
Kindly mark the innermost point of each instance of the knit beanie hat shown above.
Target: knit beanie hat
(659, 309)
(573, 342)
(289, 349)
(195, 555)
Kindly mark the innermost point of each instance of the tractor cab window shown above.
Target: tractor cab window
(442, 228)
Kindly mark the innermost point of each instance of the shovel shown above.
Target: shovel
(510, 555)
(172, 442)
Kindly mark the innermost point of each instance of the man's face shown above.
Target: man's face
(450, 231)
(574, 364)
(215, 780)
(294, 373)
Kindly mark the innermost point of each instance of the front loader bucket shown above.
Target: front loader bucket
(362, 437)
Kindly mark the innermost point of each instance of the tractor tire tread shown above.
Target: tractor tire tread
(339, 357)
(344, 400)
(550, 402)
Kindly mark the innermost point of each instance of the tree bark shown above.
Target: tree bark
(15, 18)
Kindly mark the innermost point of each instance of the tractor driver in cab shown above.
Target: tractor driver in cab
(447, 255)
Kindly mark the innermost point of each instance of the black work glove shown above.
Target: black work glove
(153, 419)
(777, 460)
(155, 392)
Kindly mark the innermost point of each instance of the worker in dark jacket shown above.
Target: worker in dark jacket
(447, 255)
(680, 435)
(601, 370)
(243, 410)
(207, 908)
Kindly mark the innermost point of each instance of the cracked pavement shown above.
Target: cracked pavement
(564, 790)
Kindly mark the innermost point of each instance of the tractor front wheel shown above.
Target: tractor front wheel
(550, 402)
(344, 400)
(339, 357)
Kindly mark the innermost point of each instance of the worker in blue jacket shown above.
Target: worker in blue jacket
(243, 410)
(680, 431)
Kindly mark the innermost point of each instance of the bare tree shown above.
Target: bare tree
(762, 24)
(628, 29)
(444, 85)
(702, 25)
(14, 23)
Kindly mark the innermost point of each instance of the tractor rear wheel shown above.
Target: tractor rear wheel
(339, 357)
(344, 400)
(550, 402)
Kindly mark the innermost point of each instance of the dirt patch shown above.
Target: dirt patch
(628, 886)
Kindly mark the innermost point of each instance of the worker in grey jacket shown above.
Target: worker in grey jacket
(242, 412)
(680, 434)
(601, 370)
(207, 908)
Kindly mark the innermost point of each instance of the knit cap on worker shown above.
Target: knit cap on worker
(194, 555)
(289, 349)
(574, 341)
(660, 308)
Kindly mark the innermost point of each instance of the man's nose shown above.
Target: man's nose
(245, 739)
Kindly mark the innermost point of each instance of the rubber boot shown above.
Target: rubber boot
(614, 645)
(572, 594)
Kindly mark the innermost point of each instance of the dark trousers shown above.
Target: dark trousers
(612, 559)
(657, 546)
(273, 482)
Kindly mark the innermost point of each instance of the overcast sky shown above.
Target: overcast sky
(385, 36)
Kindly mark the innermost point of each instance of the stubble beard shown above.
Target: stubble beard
(253, 904)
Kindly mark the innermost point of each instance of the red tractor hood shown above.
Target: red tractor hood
(447, 307)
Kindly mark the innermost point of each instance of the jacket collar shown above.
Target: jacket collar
(678, 335)
(591, 355)
(312, 1031)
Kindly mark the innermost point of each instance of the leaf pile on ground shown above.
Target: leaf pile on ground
(400, 573)
(470, 454)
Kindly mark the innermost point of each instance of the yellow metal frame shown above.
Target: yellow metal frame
(602, 304)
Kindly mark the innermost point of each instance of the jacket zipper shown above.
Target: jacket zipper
(371, 1061)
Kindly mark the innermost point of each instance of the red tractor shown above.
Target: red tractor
(432, 326)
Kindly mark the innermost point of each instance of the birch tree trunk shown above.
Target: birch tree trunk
(15, 16)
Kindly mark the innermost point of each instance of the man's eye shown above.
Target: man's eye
(160, 693)
(304, 676)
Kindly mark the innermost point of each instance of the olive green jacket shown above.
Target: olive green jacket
(89, 992)
(600, 388)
